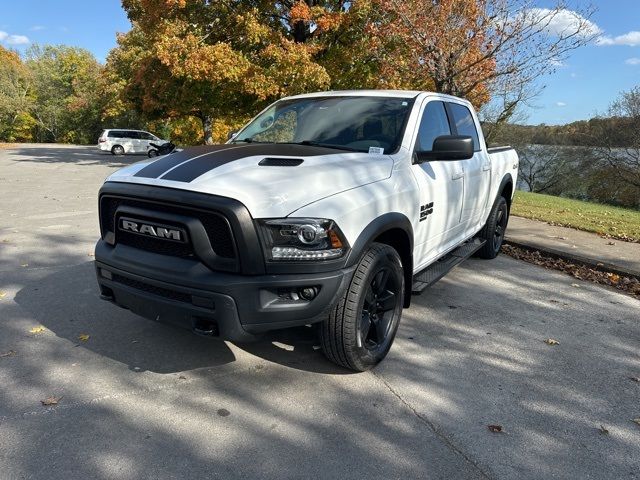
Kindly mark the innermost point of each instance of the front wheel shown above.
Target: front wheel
(494, 230)
(361, 327)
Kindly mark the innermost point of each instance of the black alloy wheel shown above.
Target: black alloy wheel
(378, 310)
(501, 226)
(493, 231)
(362, 324)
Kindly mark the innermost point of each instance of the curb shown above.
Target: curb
(577, 259)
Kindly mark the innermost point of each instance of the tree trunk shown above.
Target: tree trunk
(207, 129)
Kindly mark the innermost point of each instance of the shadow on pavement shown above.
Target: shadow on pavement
(67, 303)
(81, 155)
(297, 348)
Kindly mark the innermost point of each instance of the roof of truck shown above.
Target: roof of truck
(374, 93)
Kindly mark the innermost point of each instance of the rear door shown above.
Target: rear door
(441, 188)
(477, 170)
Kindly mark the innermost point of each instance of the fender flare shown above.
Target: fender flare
(506, 180)
(378, 226)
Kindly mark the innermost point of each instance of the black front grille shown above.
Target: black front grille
(216, 226)
(145, 287)
(155, 245)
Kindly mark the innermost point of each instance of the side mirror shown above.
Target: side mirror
(266, 123)
(232, 134)
(448, 148)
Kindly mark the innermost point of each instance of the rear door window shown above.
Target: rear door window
(463, 121)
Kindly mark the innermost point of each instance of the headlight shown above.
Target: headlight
(302, 239)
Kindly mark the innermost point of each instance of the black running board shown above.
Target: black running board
(440, 268)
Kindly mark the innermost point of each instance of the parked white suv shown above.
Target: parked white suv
(121, 141)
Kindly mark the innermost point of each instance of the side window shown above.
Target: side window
(146, 136)
(434, 123)
(464, 123)
(114, 134)
(134, 135)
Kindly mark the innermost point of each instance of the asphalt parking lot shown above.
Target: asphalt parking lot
(145, 400)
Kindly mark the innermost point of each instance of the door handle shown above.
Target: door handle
(457, 175)
(486, 166)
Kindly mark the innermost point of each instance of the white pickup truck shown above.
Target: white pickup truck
(329, 208)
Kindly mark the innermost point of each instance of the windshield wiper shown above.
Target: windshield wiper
(312, 143)
(249, 140)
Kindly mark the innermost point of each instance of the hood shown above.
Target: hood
(271, 180)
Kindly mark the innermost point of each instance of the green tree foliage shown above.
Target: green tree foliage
(15, 98)
(66, 94)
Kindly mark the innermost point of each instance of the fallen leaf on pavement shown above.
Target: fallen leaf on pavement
(37, 330)
(3, 294)
(636, 420)
(83, 337)
(635, 379)
(575, 285)
(10, 353)
(495, 428)
(611, 243)
(50, 401)
(603, 430)
(552, 341)
(613, 277)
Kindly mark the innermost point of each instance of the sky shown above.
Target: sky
(582, 86)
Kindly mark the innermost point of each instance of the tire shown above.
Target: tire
(493, 231)
(152, 153)
(117, 150)
(361, 327)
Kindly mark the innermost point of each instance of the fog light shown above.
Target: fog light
(308, 293)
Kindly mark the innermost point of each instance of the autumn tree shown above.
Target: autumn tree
(478, 49)
(215, 61)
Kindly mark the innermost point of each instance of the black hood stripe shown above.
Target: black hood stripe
(167, 162)
(202, 164)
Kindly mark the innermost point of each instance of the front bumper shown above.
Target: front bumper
(229, 305)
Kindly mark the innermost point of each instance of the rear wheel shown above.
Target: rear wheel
(494, 229)
(361, 327)
(117, 150)
(152, 153)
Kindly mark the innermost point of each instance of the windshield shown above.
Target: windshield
(351, 123)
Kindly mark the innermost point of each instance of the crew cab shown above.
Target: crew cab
(327, 209)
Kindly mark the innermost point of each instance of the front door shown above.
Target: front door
(441, 189)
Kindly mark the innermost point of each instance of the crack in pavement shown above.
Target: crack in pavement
(448, 443)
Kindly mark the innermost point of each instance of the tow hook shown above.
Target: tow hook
(205, 327)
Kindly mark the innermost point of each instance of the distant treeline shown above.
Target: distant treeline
(596, 160)
(621, 133)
